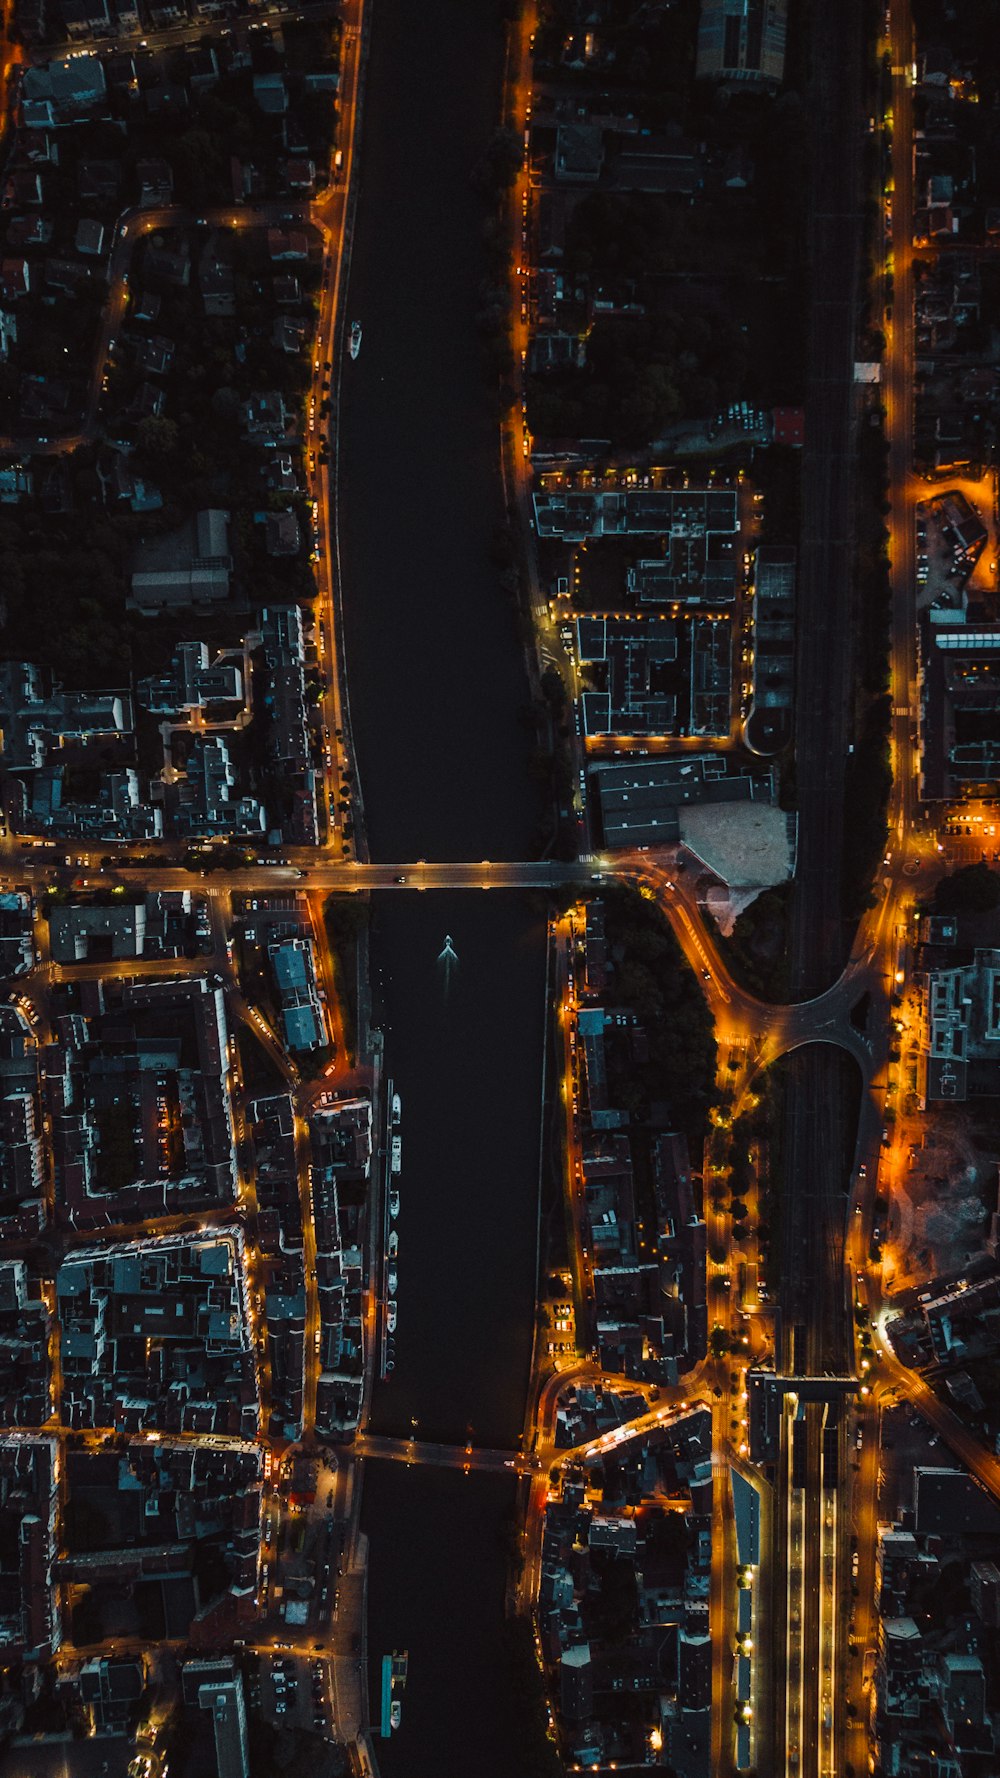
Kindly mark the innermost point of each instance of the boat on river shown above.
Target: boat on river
(394, 1671)
(354, 343)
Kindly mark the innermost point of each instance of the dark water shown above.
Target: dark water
(457, 1712)
(437, 691)
(465, 1047)
(436, 677)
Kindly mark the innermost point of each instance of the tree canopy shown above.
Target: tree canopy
(975, 888)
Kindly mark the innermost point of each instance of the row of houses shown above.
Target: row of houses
(22, 1151)
(46, 730)
(650, 1314)
(154, 1334)
(280, 1253)
(138, 1094)
(933, 1702)
(632, 1684)
(339, 1167)
(162, 1506)
(162, 1528)
(340, 1138)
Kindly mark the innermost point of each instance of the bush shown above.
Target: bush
(756, 949)
(973, 889)
(653, 980)
(537, 1756)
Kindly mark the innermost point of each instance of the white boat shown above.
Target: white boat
(395, 1713)
(390, 1315)
(393, 1204)
(393, 1243)
(397, 1110)
(396, 1162)
(392, 1281)
(354, 344)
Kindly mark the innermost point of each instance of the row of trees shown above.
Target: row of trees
(652, 978)
(868, 777)
(640, 377)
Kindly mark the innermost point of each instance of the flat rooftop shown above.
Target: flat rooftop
(642, 800)
(748, 845)
(656, 675)
(575, 514)
(769, 725)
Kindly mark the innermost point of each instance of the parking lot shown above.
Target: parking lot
(954, 563)
(970, 834)
(292, 1691)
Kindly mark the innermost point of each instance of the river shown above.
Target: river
(438, 691)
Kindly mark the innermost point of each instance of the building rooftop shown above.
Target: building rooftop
(960, 1053)
(656, 676)
(769, 725)
(742, 41)
(750, 845)
(641, 800)
(155, 1335)
(29, 1621)
(576, 514)
(139, 1100)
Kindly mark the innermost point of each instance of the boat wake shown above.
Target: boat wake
(448, 963)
